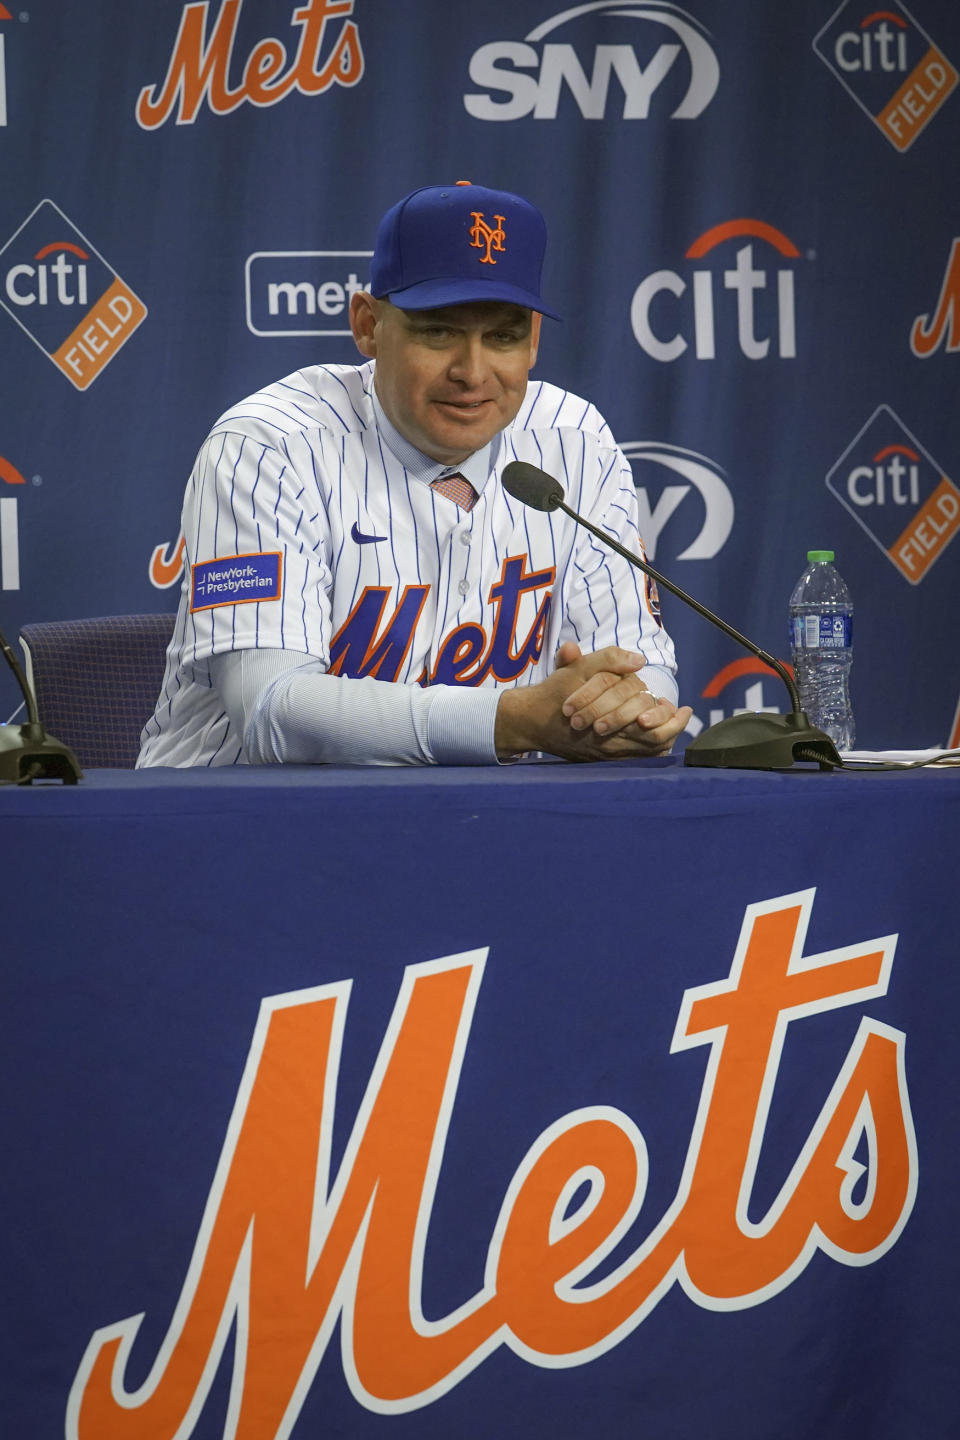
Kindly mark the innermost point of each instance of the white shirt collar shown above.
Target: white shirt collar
(477, 468)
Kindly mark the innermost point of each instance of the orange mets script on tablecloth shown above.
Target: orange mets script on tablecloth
(285, 1249)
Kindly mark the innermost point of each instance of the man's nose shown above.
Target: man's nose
(468, 364)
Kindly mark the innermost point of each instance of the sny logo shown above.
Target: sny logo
(66, 297)
(482, 234)
(890, 67)
(898, 493)
(745, 279)
(706, 479)
(317, 1248)
(504, 66)
(199, 69)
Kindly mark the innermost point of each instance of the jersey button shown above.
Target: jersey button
(464, 587)
(465, 537)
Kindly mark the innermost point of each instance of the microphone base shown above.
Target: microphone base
(754, 741)
(28, 753)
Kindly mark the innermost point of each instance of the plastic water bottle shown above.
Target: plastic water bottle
(821, 641)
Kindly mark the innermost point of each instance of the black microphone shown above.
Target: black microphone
(27, 752)
(749, 741)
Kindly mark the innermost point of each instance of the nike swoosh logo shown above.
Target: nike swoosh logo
(357, 534)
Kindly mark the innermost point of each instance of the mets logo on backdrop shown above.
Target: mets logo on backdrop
(290, 1252)
(891, 67)
(929, 332)
(597, 58)
(898, 493)
(62, 292)
(762, 298)
(199, 68)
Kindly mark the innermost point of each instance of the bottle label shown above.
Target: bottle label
(822, 632)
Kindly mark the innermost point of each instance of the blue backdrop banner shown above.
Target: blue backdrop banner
(753, 242)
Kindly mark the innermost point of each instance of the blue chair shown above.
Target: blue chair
(96, 682)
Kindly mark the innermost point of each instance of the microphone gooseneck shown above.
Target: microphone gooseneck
(27, 752)
(749, 740)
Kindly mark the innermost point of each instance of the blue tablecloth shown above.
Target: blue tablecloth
(550, 1100)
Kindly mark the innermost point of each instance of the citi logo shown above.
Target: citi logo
(538, 75)
(64, 295)
(897, 493)
(764, 300)
(30, 284)
(199, 68)
(700, 479)
(745, 677)
(888, 65)
(303, 292)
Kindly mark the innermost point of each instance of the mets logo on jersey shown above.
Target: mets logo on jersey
(64, 295)
(368, 643)
(888, 65)
(482, 234)
(290, 1249)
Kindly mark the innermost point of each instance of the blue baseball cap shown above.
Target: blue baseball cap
(452, 244)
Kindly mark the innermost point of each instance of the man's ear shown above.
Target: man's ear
(535, 320)
(363, 322)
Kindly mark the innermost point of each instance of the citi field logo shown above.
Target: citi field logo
(762, 297)
(703, 494)
(65, 296)
(199, 68)
(538, 75)
(345, 1253)
(303, 292)
(898, 493)
(9, 526)
(928, 332)
(744, 684)
(4, 15)
(890, 67)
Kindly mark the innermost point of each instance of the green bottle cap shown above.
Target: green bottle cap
(820, 557)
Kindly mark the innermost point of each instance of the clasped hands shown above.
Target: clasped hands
(593, 707)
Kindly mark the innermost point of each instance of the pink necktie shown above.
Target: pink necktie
(457, 489)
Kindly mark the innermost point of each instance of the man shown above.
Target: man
(347, 526)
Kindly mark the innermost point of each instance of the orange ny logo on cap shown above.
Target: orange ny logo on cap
(481, 234)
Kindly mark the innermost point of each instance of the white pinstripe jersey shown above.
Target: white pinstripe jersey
(296, 496)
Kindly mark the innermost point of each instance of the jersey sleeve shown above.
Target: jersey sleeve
(610, 601)
(256, 563)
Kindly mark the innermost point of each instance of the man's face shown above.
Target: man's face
(448, 379)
